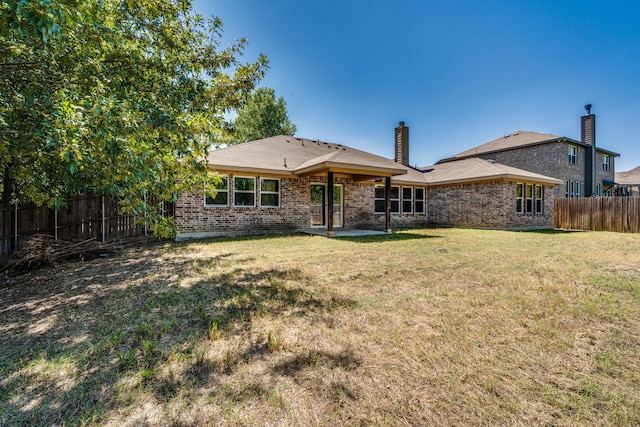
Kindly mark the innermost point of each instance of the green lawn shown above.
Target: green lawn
(422, 327)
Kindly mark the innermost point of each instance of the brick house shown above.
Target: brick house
(628, 183)
(586, 170)
(281, 185)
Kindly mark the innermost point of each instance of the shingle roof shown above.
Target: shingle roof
(289, 155)
(475, 169)
(513, 140)
(631, 177)
(298, 156)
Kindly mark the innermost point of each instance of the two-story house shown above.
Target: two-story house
(585, 169)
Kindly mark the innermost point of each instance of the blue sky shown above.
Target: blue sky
(458, 73)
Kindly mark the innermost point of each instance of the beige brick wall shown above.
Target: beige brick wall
(293, 214)
(550, 159)
(490, 205)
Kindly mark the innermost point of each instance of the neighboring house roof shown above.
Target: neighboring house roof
(517, 139)
(287, 155)
(475, 169)
(631, 177)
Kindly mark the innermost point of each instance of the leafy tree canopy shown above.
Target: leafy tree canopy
(118, 96)
(263, 116)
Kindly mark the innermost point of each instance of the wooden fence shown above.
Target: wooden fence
(84, 217)
(619, 214)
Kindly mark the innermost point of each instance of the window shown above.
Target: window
(411, 200)
(578, 192)
(519, 198)
(605, 162)
(573, 154)
(379, 199)
(222, 194)
(270, 193)
(529, 194)
(407, 200)
(395, 199)
(419, 201)
(567, 192)
(530, 198)
(244, 192)
(539, 199)
(597, 189)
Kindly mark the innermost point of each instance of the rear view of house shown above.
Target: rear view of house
(286, 184)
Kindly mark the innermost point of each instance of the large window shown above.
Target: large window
(407, 200)
(419, 200)
(244, 192)
(605, 163)
(270, 193)
(222, 194)
(529, 198)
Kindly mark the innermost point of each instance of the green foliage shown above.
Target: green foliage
(117, 96)
(263, 116)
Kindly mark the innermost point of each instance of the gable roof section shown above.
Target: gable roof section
(288, 155)
(631, 177)
(477, 170)
(517, 139)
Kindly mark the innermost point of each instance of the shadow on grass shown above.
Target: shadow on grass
(379, 238)
(72, 333)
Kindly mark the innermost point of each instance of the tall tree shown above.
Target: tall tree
(263, 116)
(119, 96)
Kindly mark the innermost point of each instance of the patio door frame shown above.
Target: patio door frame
(338, 210)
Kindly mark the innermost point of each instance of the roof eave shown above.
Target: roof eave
(249, 169)
(502, 177)
(349, 169)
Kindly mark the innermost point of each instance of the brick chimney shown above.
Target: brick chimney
(588, 136)
(402, 144)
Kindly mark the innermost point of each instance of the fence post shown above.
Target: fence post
(55, 224)
(104, 235)
(146, 229)
(15, 226)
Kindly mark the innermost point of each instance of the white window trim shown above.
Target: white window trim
(375, 199)
(244, 192)
(214, 205)
(527, 198)
(271, 192)
(416, 200)
(521, 198)
(573, 158)
(606, 162)
(536, 198)
(402, 200)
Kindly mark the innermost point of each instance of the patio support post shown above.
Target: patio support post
(387, 204)
(329, 203)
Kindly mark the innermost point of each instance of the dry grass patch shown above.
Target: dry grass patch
(423, 327)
